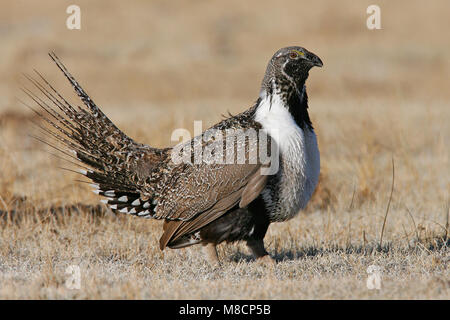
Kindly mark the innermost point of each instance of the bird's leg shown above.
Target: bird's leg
(256, 246)
(211, 254)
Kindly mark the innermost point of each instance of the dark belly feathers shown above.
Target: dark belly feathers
(237, 224)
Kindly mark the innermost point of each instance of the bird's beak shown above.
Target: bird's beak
(315, 60)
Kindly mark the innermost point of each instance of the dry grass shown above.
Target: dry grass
(154, 67)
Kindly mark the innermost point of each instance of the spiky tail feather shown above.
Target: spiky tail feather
(95, 141)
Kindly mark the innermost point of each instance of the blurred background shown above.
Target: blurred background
(154, 66)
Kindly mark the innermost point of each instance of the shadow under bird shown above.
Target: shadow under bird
(200, 203)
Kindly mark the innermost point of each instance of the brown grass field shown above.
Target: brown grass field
(153, 66)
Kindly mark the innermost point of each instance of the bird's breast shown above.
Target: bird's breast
(299, 161)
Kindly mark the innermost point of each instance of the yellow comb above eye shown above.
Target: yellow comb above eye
(299, 52)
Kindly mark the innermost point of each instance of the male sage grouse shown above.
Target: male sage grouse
(211, 200)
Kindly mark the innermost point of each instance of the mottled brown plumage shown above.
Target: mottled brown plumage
(200, 202)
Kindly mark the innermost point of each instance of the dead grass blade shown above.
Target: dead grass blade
(389, 203)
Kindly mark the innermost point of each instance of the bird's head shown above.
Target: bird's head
(290, 66)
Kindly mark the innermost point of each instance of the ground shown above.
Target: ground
(381, 100)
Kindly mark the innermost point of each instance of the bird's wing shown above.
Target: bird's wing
(198, 204)
(204, 192)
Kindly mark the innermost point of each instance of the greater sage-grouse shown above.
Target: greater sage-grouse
(204, 202)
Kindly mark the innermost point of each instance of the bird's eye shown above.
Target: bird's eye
(293, 55)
